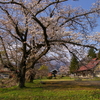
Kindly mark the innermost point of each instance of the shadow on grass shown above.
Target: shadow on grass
(72, 85)
(50, 85)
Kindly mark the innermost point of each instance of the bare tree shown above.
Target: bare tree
(29, 28)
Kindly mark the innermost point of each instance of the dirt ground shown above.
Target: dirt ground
(72, 84)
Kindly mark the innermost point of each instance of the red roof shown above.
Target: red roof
(3, 70)
(90, 65)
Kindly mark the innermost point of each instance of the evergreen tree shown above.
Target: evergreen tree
(74, 65)
(91, 53)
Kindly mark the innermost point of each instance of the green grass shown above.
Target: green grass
(51, 90)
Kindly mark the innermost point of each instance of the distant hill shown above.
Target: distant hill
(53, 63)
(56, 64)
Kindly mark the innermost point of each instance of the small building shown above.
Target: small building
(54, 72)
(92, 69)
(4, 73)
(49, 75)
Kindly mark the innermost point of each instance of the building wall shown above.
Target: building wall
(97, 70)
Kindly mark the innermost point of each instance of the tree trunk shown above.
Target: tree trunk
(21, 78)
(30, 75)
(31, 79)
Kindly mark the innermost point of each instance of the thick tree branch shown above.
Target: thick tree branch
(4, 49)
(8, 63)
(38, 57)
(69, 50)
(10, 33)
(80, 15)
(14, 24)
(74, 55)
(1, 59)
(73, 43)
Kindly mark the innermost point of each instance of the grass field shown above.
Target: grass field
(54, 90)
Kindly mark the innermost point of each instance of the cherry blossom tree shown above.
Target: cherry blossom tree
(64, 70)
(29, 28)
